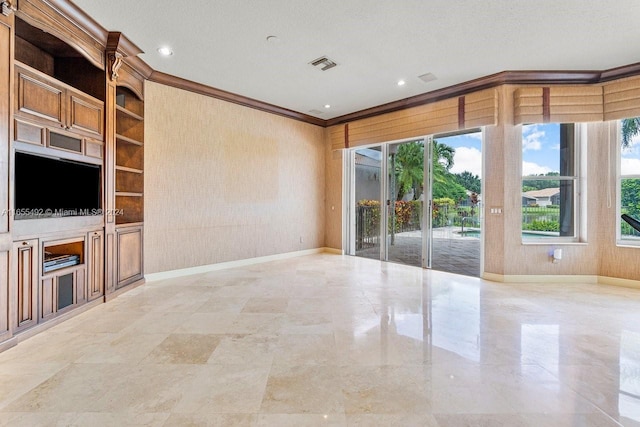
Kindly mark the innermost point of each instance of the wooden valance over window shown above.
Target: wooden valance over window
(558, 104)
(449, 115)
(622, 99)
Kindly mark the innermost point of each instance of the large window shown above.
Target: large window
(629, 179)
(550, 170)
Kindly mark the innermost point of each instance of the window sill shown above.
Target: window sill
(631, 245)
(554, 243)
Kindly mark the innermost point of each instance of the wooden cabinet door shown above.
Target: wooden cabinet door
(48, 297)
(85, 115)
(39, 98)
(25, 293)
(95, 265)
(128, 255)
(80, 284)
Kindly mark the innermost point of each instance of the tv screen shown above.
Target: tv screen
(47, 187)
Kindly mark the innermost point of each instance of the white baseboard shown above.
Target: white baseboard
(333, 251)
(232, 264)
(614, 281)
(540, 278)
(588, 279)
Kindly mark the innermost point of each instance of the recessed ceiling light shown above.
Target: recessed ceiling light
(327, 106)
(165, 51)
(401, 82)
(273, 39)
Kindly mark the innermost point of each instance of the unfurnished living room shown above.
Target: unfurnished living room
(319, 213)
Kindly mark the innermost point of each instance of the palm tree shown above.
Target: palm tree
(443, 154)
(409, 168)
(630, 128)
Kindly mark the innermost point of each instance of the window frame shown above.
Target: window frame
(620, 241)
(578, 179)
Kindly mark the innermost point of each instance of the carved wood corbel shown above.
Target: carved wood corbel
(115, 62)
(8, 7)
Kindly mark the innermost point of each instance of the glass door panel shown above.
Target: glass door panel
(405, 202)
(367, 176)
(456, 204)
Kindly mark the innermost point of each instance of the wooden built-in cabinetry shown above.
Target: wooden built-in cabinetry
(129, 157)
(72, 92)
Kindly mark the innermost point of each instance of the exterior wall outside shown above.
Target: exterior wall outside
(224, 182)
(368, 182)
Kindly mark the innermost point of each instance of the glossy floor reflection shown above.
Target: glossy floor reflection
(329, 340)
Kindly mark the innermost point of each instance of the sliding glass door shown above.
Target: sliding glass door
(405, 202)
(366, 240)
(410, 205)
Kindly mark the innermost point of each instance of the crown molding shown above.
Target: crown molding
(80, 18)
(180, 83)
(531, 77)
(493, 80)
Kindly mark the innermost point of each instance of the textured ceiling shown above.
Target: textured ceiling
(222, 43)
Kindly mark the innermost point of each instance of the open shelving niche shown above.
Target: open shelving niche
(129, 160)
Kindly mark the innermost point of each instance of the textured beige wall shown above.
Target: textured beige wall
(225, 182)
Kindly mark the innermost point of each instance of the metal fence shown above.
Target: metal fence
(367, 227)
(407, 217)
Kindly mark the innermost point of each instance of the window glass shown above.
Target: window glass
(549, 181)
(629, 157)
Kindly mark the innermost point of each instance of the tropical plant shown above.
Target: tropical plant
(469, 181)
(630, 128)
(409, 168)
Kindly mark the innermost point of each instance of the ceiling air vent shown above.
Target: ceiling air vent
(323, 63)
(428, 77)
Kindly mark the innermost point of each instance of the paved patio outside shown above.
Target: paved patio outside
(452, 252)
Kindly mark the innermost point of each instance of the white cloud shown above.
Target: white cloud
(532, 140)
(530, 168)
(467, 159)
(629, 166)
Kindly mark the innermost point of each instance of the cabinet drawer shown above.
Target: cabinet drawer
(28, 132)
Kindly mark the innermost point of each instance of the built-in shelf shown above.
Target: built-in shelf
(129, 113)
(126, 169)
(129, 157)
(126, 139)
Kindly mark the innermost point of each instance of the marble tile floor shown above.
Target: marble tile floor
(330, 340)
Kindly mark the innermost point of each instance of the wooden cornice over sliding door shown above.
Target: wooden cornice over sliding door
(449, 115)
(622, 99)
(558, 104)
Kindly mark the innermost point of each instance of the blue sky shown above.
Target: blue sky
(468, 156)
(540, 149)
(630, 158)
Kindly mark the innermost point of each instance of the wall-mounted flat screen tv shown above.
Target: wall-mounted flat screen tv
(48, 187)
